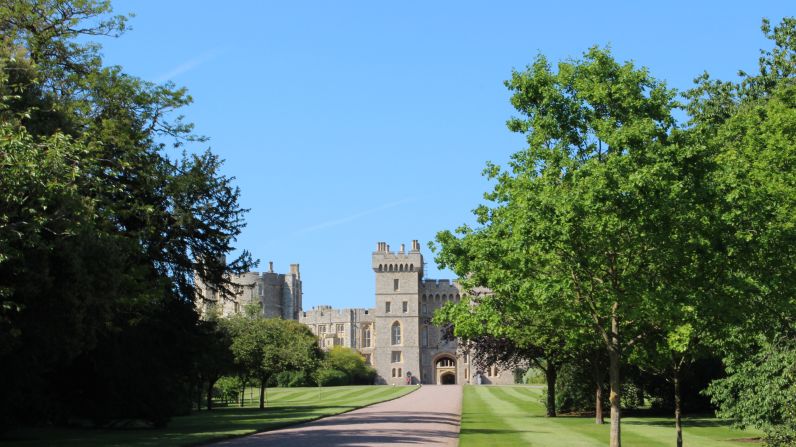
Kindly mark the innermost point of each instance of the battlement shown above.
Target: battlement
(440, 284)
(384, 260)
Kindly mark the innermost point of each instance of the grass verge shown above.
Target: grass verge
(287, 406)
(514, 415)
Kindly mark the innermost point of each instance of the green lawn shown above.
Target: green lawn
(286, 406)
(514, 415)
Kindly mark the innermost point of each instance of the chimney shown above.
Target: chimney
(270, 266)
(388, 248)
(415, 245)
(402, 249)
(294, 270)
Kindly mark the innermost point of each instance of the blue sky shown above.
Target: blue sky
(348, 123)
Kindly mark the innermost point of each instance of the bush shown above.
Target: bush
(293, 379)
(331, 377)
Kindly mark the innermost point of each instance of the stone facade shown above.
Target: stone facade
(397, 336)
(278, 295)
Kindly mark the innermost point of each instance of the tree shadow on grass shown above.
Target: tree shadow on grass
(696, 422)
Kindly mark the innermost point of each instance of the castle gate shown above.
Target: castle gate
(445, 370)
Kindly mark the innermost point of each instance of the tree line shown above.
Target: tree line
(630, 250)
(104, 232)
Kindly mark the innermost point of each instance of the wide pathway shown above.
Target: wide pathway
(428, 416)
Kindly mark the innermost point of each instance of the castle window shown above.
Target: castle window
(446, 363)
(399, 373)
(380, 267)
(411, 267)
(340, 328)
(393, 372)
(424, 298)
(444, 297)
(321, 329)
(466, 371)
(366, 337)
(436, 297)
(396, 333)
(237, 307)
(405, 306)
(395, 284)
(390, 267)
(387, 307)
(424, 339)
(457, 297)
(401, 268)
(425, 309)
(395, 357)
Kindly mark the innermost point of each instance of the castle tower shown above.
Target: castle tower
(399, 277)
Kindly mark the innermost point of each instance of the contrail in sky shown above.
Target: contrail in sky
(342, 220)
(187, 66)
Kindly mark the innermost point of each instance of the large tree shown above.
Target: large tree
(100, 230)
(598, 215)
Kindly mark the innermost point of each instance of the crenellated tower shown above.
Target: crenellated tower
(399, 276)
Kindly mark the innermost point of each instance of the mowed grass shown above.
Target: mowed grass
(514, 415)
(287, 406)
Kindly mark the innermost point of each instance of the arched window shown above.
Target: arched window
(390, 267)
(380, 267)
(366, 337)
(411, 267)
(396, 333)
(436, 297)
(424, 298)
(457, 297)
(401, 268)
(400, 374)
(393, 372)
(444, 297)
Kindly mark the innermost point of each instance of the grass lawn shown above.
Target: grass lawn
(514, 415)
(286, 406)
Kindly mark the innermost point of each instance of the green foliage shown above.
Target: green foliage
(264, 347)
(101, 233)
(352, 364)
(760, 390)
(331, 377)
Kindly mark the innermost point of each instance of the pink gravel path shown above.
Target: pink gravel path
(428, 416)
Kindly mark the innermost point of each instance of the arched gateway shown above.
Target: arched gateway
(445, 370)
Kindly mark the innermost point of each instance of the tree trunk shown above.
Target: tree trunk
(199, 395)
(597, 376)
(598, 404)
(210, 385)
(615, 381)
(551, 376)
(677, 408)
(262, 394)
(243, 393)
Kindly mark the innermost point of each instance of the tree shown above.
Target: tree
(215, 358)
(99, 228)
(351, 363)
(264, 347)
(760, 390)
(493, 332)
(599, 214)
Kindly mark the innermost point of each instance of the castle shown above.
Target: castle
(396, 337)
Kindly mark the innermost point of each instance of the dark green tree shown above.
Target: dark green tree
(101, 233)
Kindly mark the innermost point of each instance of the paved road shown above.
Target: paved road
(428, 416)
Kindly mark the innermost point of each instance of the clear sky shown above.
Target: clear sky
(348, 123)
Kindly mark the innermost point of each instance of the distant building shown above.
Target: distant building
(278, 295)
(397, 336)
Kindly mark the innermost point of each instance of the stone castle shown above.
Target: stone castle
(396, 337)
